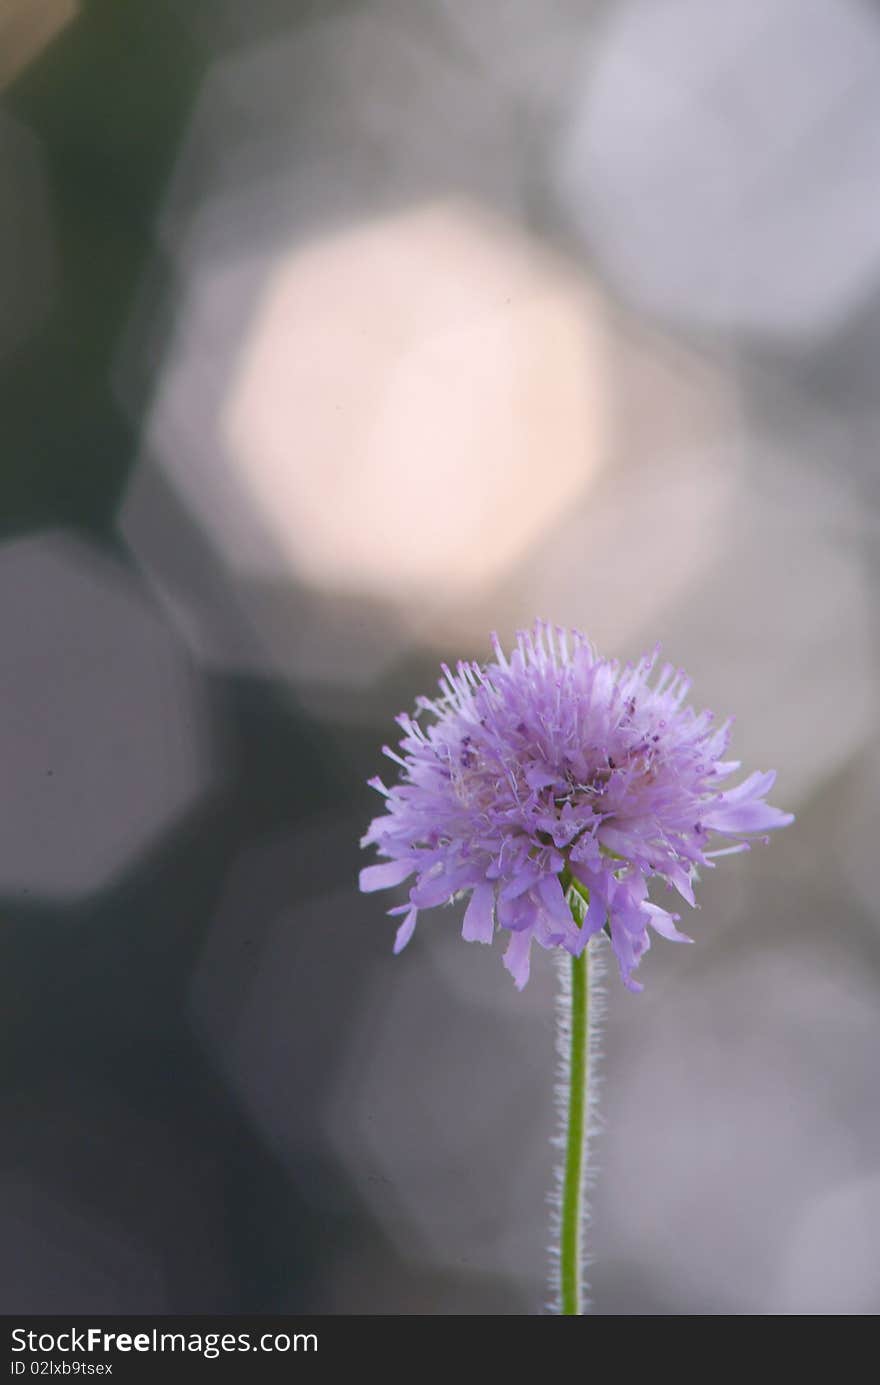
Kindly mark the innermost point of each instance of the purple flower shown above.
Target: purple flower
(555, 779)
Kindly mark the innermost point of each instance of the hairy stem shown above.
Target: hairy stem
(579, 1011)
(571, 1229)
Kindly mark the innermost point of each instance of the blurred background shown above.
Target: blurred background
(333, 336)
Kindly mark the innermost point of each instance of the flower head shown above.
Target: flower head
(550, 788)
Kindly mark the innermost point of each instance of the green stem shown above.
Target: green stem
(572, 1211)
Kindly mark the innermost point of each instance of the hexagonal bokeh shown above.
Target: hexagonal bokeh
(269, 966)
(791, 585)
(408, 1073)
(107, 731)
(717, 161)
(443, 1113)
(368, 349)
(522, 49)
(713, 1172)
(394, 388)
(354, 424)
(346, 117)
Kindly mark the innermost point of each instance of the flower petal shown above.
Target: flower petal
(438, 886)
(516, 958)
(405, 931)
(662, 923)
(384, 875)
(745, 817)
(479, 916)
(522, 881)
(552, 896)
(681, 879)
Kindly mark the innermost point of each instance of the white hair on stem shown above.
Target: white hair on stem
(595, 962)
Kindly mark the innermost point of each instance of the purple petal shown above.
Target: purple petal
(438, 886)
(632, 843)
(522, 881)
(479, 917)
(516, 958)
(681, 879)
(628, 946)
(756, 785)
(405, 931)
(517, 914)
(552, 897)
(540, 777)
(384, 875)
(596, 883)
(662, 923)
(745, 817)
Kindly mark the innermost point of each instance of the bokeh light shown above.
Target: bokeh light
(397, 386)
(106, 735)
(370, 432)
(676, 1207)
(717, 162)
(420, 1167)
